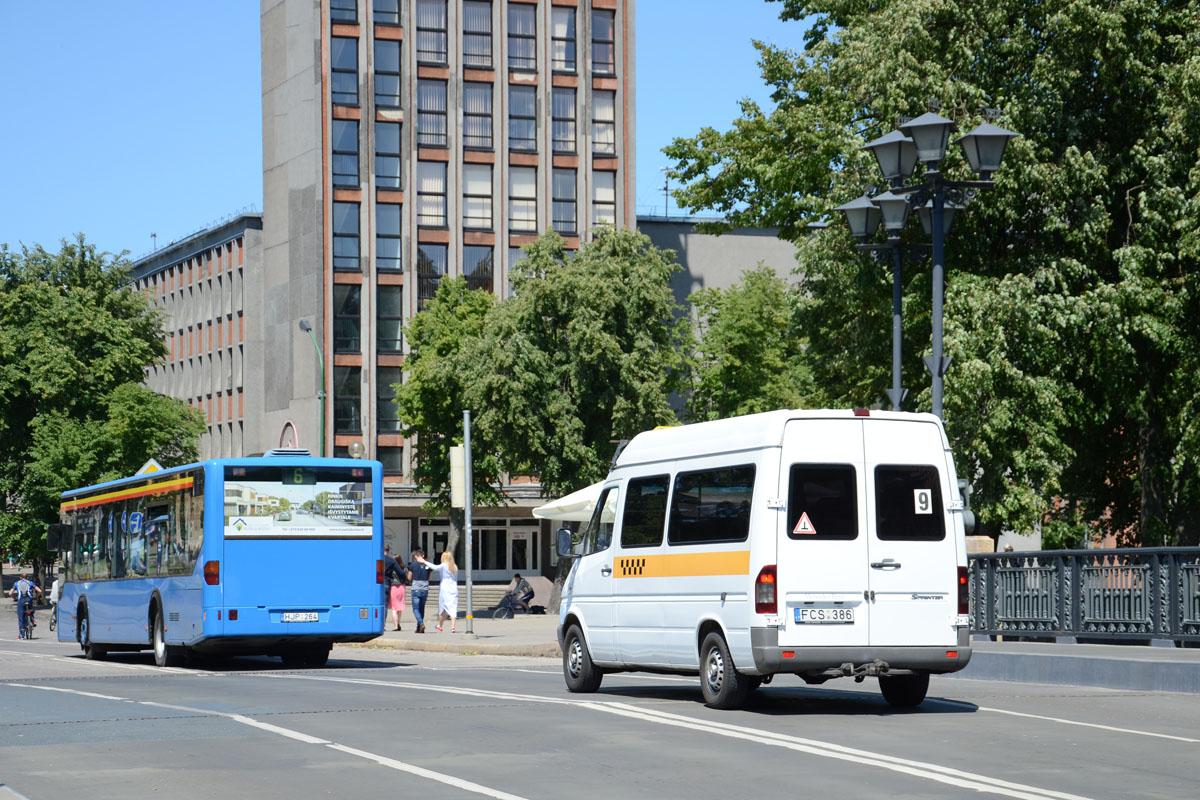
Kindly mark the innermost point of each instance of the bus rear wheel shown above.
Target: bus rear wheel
(165, 655)
(91, 650)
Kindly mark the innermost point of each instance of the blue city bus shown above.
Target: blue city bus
(278, 555)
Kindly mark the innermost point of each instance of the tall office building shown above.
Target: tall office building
(405, 141)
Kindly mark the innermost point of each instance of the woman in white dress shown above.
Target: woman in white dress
(447, 571)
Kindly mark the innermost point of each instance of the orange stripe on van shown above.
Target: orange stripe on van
(681, 565)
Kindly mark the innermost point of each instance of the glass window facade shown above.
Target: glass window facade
(562, 119)
(604, 198)
(388, 243)
(562, 39)
(431, 31)
(479, 267)
(387, 73)
(604, 122)
(386, 378)
(431, 113)
(522, 118)
(431, 194)
(477, 34)
(522, 199)
(477, 116)
(477, 196)
(345, 152)
(347, 399)
(431, 266)
(522, 37)
(387, 155)
(345, 236)
(390, 321)
(604, 46)
(347, 302)
(563, 201)
(343, 67)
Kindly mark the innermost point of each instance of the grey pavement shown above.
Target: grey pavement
(1122, 667)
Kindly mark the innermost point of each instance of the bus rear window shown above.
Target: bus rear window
(295, 502)
(908, 503)
(822, 502)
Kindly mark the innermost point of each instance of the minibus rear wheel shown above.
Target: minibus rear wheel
(578, 670)
(720, 682)
(904, 691)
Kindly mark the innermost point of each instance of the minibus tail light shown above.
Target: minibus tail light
(212, 572)
(379, 571)
(764, 591)
(964, 595)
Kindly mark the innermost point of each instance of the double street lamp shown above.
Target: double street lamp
(936, 199)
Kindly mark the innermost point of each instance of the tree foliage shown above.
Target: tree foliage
(1072, 309)
(747, 358)
(75, 340)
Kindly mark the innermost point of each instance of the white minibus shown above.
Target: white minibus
(818, 543)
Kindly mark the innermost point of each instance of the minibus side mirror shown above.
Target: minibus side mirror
(968, 522)
(564, 543)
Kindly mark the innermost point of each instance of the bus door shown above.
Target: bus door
(822, 551)
(913, 553)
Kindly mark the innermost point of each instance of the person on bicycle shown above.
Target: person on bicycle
(23, 591)
(522, 592)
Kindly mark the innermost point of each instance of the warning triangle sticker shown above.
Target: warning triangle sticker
(804, 525)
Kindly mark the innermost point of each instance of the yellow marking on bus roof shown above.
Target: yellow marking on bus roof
(124, 494)
(682, 565)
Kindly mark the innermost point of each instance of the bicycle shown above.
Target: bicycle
(27, 623)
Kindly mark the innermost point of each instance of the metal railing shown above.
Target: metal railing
(1139, 594)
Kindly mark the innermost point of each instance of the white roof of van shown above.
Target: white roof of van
(733, 434)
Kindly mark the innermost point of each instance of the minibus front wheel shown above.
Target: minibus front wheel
(580, 673)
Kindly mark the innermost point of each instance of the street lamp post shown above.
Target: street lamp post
(923, 139)
(307, 328)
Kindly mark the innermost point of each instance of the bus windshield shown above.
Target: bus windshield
(290, 502)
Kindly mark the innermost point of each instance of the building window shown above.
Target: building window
(562, 114)
(387, 12)
(522, 118)
(522, 37)
(343, 10)
(346, 329)
(477, 116)
(345, 236)
(392, 459)
(431, 31)
(345, 152)
(604, 48)
(431, 113)
(387, 73)
(387, 155)
(431, 266)
(387, 236)
(343, 67)
(522, 199)
(390, 328)
(477, 196)
(563, 201)
(562, 39)
(478, 267)
(604, 198)
(477, 34)
(386, 413)
(347, 399)
(431, 194)
(604, 122)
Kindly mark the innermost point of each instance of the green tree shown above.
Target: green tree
(431, 400)
(584, 354)
(747, 358)
(74, 342)
(1072, 308)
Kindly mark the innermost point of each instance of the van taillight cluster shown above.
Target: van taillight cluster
(964, 595)
(764, 591)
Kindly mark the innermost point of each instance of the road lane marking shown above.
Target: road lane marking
(1062, 721)
(101, 663)
(918, 769)
(449, 780)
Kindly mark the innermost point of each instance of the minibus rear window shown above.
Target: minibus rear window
(822, 502)
(711, 505)
(645, 511)
(908, 503)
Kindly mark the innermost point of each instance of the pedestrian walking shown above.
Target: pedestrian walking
(447, 573)
(419, 570)
(395, 575)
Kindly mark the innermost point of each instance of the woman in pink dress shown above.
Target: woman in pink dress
(395, 575)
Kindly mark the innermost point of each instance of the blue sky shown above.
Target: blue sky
(128, 118)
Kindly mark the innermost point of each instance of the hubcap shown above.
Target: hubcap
(575, 657)
(714, 671)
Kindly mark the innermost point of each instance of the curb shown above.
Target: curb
(466, 647)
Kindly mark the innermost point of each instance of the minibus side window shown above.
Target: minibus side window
(598, 535)
(645, 511)
(908, 503)
(822, 502)
(711, 505)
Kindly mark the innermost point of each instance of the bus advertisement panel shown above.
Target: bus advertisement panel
(280, 555)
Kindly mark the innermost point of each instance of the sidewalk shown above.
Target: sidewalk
(1120, 667)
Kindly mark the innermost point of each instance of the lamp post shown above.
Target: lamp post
(923, 139)
(307, 328)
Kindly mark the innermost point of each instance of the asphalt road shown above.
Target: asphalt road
(386, 723)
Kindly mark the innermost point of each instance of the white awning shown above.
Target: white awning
(577, 506)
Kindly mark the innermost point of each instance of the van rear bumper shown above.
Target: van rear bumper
(769, 655)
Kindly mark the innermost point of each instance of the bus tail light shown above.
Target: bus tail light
(233, 615)
(764, 591)
(212, 572)
(379, 571)
(964, 595)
